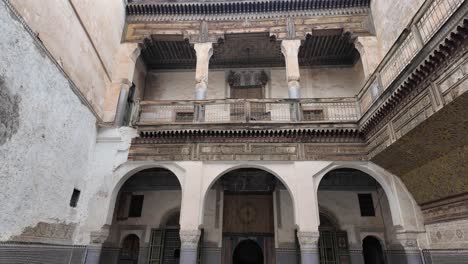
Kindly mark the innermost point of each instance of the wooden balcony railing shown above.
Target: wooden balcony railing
(424, 26)
(333, 110)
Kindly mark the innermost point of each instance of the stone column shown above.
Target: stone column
(308, 241)
(189, 246)
(290, 50)
(204, 51)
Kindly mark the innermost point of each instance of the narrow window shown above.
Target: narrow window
(75, 197)
(366, 204)
(136, 206)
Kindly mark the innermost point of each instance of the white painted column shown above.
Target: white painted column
(203, 51)
(189, 240)
(290, 50)
(190, 212)
(307, 209)
(308, 241)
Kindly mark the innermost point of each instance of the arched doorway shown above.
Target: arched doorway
(372, 251)
(130, 250)
(247, 252)
(248, 204)
(359, 204)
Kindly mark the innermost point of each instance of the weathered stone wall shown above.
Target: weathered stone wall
(83, 36)
(46, 137)
(315, 83)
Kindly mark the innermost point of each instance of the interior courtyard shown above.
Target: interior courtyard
(233, 132)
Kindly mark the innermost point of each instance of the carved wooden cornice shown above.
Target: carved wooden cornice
(150, 11)
(207, 22)
(250, 135)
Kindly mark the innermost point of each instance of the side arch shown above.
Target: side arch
(127, 170)
(385, 181)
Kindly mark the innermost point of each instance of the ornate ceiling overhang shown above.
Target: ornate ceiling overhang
(211, 21)
(323, 48)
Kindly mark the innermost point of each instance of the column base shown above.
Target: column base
(188, 256)
(310, 256)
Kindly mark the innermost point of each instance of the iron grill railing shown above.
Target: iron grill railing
(246, 111)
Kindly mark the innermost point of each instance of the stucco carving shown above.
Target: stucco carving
(189, 238)
(308, 240)
(99, 237)
(9, 113)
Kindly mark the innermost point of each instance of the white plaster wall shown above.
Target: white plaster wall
(285, 233)
(156, 206)
(315, 83)
(344, 205)
(390, 18)
(211, 235)
(180, 85)
(48, 147)
(332, 82)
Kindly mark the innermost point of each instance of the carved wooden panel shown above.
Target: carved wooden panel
(248, 213)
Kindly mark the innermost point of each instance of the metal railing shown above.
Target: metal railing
(426, 23)
(247, 111)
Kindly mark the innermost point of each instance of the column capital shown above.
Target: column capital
(203, 49)
(189, 238)
(308, 240)
(290, 46)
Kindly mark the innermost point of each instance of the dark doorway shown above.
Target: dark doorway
(130, 250)
(372, 251)
(247, 252)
